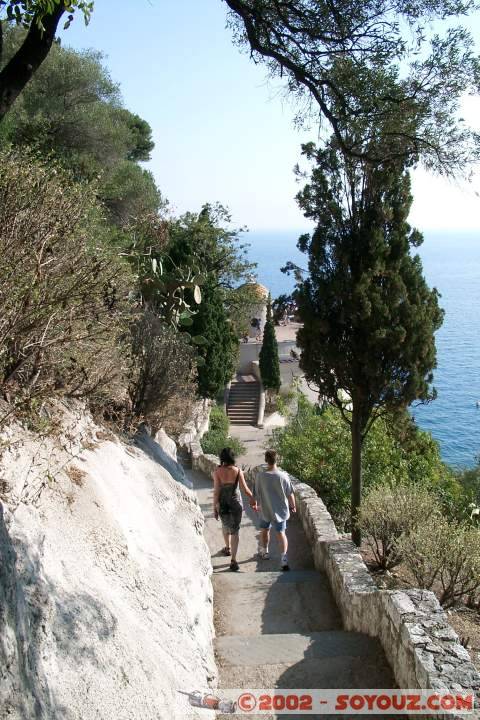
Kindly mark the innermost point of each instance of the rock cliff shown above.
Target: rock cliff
(105, 593)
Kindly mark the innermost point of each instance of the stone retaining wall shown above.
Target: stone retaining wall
(422, 648)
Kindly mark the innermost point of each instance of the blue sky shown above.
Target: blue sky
(222, 132)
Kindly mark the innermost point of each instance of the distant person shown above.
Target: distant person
(274, 494)
(227, 502)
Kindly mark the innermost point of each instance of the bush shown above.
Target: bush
(62, 297)
(162, 385)
(389, 512)
(315, 447)
(446, 553)
(217, 437)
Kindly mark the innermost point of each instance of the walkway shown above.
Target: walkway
(279, 629)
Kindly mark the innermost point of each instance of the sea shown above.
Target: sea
(451, 263)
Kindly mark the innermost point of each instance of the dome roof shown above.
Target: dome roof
(260, 291)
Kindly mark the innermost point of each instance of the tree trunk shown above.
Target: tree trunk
(356, 430)
(26, 61)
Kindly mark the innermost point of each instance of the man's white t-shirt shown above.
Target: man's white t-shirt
(272, 489)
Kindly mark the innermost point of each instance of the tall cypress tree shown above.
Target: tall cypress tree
(269, 362)
(369, 317)
(220, 348)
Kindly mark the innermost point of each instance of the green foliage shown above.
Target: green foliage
(315, 447)
(40, 20)
(217, 437)
(369, 315)
(280, 307)
(73, 109)
(444, 553)
(470, 482)
(26, 12)
(268, 358)
(62, 302)
(387, 79)
(209, 249)
(219, 349)
(388, 513)
(205, 241)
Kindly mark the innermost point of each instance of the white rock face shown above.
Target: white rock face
(105, 593)
(166, 443)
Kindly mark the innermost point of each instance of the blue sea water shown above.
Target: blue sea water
(451, 263)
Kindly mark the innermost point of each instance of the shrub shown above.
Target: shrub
(390, 511)
(217, 437)
(445, 553)
(268, 359)
(315, 447)
(162, 385)
(62, 286)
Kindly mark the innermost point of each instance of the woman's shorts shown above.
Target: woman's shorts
(231, 521)
(280, 526)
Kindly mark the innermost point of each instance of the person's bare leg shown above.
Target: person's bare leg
(226, 537)
(265, 537)
(234, 540)
(283, 542)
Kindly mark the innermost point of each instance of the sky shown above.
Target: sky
(222, 131)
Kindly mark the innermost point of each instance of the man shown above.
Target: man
(273, 492)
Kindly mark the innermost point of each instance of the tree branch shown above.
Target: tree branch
(26, 61)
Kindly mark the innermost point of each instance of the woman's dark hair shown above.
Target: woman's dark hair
(227, 457)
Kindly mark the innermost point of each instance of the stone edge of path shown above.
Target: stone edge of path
(422, 648)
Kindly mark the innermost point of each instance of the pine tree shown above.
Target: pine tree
(368, 316)
(269, 362)
(220, 348)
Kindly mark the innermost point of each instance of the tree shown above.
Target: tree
(73, 109)
(41, 19)
(336, 56)
(280, 307)
(368, 315)
(269, 362)
(219, 345)
(206, 240)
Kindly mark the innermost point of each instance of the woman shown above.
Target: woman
(227, 502)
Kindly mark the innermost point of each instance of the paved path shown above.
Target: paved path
(277, 629)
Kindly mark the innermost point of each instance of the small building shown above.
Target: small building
(257, 311)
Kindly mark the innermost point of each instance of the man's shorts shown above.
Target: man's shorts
(279, 525)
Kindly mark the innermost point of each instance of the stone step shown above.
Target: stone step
(242, 404)
(299, 601)
(329, 659)
(243, 398)
(243, 410)
(252, 410)
(243, 413)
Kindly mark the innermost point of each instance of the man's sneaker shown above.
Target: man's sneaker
(262, 553)
(284, 563)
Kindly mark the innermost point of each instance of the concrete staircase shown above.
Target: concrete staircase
(282, 629)
(243, 400)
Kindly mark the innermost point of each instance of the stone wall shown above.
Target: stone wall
(422, 648)
(198, 424)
